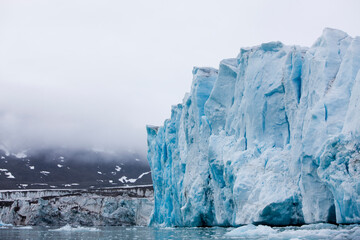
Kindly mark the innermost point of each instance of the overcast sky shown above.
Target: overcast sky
(94, 73)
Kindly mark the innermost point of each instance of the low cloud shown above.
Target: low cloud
(93, 73)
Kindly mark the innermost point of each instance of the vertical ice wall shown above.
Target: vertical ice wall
(272, 137)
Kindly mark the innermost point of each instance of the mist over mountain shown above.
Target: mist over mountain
(85, 74)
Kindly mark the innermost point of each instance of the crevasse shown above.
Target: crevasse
(272, 137)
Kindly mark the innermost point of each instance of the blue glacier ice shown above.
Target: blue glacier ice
(271, 137)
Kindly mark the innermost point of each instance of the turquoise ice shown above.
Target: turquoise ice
(272, 137)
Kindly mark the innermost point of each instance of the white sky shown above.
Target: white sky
(94, 73)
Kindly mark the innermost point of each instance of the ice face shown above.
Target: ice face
(272, 137)
(101, 207)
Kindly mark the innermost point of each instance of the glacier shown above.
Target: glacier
(79, 207)
(272, 137)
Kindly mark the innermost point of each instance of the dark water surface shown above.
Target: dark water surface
(306, 232)
(140, 233)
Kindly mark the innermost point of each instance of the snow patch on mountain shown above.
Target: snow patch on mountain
(45, 173)
(143, 174)
(124, 179)
(9, 175)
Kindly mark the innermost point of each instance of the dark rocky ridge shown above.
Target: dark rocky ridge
(71, 169)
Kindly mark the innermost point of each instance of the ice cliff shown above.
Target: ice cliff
(272, 137)
(97, 207)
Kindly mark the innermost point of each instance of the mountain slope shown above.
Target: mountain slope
(71, 168)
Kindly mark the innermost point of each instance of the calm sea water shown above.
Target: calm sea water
(140, 233)
(307, 232)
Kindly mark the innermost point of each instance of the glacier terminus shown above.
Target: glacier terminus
(271, 137)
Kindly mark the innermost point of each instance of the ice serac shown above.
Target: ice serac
(272, 137)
